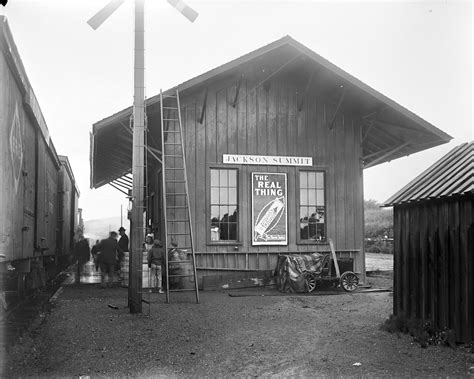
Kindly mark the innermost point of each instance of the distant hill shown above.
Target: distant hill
(100, 228)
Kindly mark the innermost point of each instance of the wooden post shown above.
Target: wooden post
(138, 163)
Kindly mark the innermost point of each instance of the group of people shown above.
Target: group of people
(109, 253)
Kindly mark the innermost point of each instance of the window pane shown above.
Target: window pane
(320, 180)
(224, 213)
(232, 178)
(303, 197)
(232, 231)
(232, 196)
(304, 213)
(303, 179)
(214, 195)
(311, 180)
(214, 178)
(233, 216)
(311, 197)
(223, 182)
(320, 197)
(214, 214)
(321, 214)
(223, 197)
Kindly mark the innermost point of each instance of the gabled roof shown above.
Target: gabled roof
(451, 175)
(390, 131)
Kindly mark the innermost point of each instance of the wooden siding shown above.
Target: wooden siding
(434, 263)
(266, 121)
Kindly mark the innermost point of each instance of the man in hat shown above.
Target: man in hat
(108, 258)
(122, 246)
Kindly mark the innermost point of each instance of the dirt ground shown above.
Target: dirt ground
(251, 332)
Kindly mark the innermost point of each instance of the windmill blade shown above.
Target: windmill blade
(102, 15)
(185, 9)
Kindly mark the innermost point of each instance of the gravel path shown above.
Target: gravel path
(257, 332)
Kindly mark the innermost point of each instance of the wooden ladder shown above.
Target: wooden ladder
(179, 242)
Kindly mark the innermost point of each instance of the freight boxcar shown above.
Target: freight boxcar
(38, 193)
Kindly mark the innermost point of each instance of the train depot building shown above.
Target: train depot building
(275, 144)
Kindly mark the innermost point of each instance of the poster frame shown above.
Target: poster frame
(269, 243)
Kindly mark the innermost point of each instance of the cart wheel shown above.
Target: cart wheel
(310, 282)
(349, 281)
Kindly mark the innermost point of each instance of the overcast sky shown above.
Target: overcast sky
(416, 53)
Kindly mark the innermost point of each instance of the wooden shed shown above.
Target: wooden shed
(434, 244)
(280, 118)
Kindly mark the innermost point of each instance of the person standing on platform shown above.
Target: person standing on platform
(83, 255)
(122, 246)
(155, 260)
(95, 254)
(108, 259)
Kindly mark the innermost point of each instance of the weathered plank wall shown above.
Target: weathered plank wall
(434, 263)
(266, 121)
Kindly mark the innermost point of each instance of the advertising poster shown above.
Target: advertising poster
(269, 215)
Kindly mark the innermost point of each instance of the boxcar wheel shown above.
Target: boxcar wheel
(349, 281)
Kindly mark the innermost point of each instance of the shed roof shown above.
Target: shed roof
(390, 131)
(452, 175)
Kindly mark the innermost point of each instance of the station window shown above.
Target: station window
(312, 206)
(223, 202)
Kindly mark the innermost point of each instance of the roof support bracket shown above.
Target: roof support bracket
(341, 99)
(276, 72)
(239, 83)
(387, 154)
(117, 188)
(204, 102)
(302, 98)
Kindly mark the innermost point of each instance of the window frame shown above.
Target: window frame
(209, 242)
(299, 240)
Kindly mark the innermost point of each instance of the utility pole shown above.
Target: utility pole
(138, 155)
(138, 163)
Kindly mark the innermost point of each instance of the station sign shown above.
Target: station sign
(266, 160)
(269, 209)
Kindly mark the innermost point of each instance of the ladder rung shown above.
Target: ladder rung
(171, 131)
(170, 108)
(176, 206)
(180, 276)
(171, 119)
(177, 220)
(178, 234)
(175, 181)
(188, 261)
(167, 96)
(183, 289)
(177, 194)
(174, 168)
(172, 143)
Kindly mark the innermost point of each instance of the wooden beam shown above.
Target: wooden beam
(276, 71)
(390, 125)
(305, 92)
(239, 83)
(370, 125)
(373, 114)
(384, 156)
(341, 99)
(117, 188)
(203, 110)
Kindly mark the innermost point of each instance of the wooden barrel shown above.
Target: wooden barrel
(124, 270)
